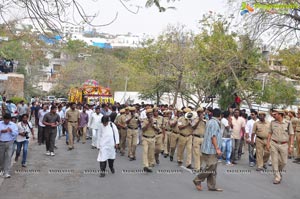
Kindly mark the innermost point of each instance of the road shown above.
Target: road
(74, 174)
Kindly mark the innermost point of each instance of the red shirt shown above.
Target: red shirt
(237, 99)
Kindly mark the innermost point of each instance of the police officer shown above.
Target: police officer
(168, 131)
(148, 140)
(159, 134)
(72, 119)
(132, 122)
(175, 133)
(297, 132)
(122, 126)
(294, 121)
(185, 139)
(261, 130)
(281, 132)
(198, 125)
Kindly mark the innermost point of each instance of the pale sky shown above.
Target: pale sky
(149, 20)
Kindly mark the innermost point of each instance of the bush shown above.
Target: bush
(16, 100)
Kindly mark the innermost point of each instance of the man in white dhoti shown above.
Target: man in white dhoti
(107, 143)
(94, 123)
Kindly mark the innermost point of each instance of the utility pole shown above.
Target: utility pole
(125, 90)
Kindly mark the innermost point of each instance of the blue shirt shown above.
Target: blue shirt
(9, 136)
(213, 128)
(105, 113)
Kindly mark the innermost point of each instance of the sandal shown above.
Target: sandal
(198, 186)
(216, 189)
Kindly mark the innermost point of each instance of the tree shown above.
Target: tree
(167, 60)
(27, 50)
(226, 62)
(277, 23)
(278, 20)
(157, 3)
(100, 65)
(50, 15)
(278, 91)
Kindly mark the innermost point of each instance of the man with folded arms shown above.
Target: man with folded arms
(8, 134)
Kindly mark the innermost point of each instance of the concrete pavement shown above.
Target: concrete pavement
(75, 174)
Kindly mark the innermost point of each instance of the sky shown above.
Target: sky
(149, 21)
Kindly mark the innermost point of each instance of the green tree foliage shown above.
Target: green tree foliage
(164, 63)
(279, 92)
(226, 62)
(106, 67)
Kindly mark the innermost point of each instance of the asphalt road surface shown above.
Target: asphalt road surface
(75, 174)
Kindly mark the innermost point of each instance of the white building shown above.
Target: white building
(71, 29)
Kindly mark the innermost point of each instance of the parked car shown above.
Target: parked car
(61, 100)
(50, 99)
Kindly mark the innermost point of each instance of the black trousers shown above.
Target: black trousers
(50, 135)
(110, 165)
(41, 134)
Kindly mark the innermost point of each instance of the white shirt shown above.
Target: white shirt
(249, 127)
(95, 121)
(66, 111)
(108, 137)
(42, 113)
(224, 124)
(238, 124)
(22, 109)
(89, 112)
(143, 115)
(61, 114)
(23, 128)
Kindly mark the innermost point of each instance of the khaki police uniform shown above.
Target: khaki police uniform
(168, 131)
(148, 143)
(198, 135)
(158, 123)
(297, 132)
(185, 141)
(174, 136)
(122, 126)
(261, 130)
(132, 133)
(280, 133)
(72, 117)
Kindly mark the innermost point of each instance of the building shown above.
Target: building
(12, 85)
(71, 29)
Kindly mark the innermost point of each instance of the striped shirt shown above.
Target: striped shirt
(213, 128)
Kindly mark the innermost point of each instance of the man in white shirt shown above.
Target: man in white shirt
(41, 128)
(61, 114)
(89, 111)
(22, 109)
(25, 129)
(94, 123)
(249, 128)
(238, 125)
(226, 137)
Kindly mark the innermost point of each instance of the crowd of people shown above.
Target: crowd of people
(200, 136)
(7, 65)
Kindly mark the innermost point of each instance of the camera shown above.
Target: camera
(26, 135)
(189, 116)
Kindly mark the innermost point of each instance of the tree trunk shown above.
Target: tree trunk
(178, 87)
(157, 98)
(240, 87)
